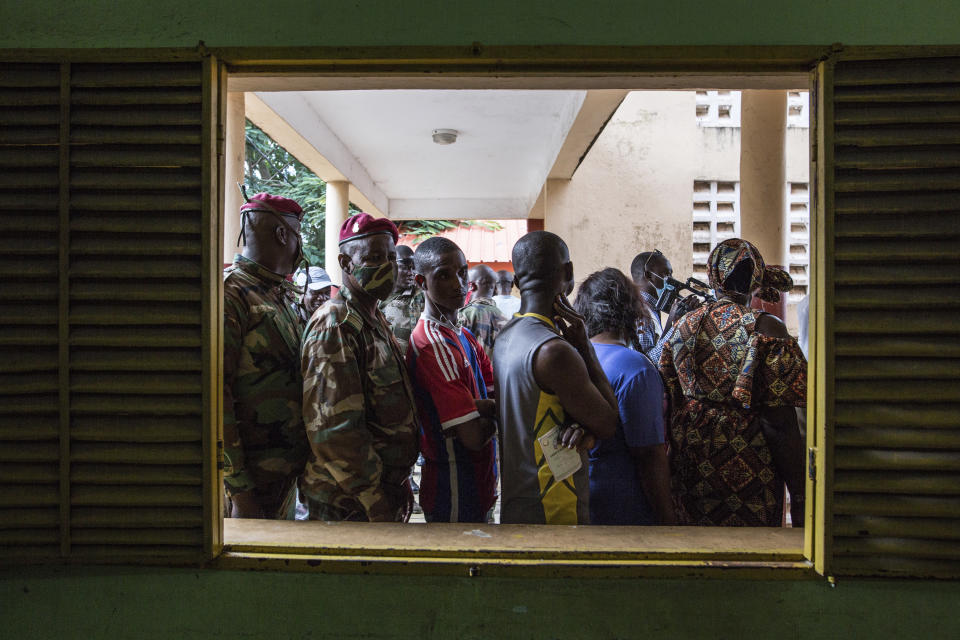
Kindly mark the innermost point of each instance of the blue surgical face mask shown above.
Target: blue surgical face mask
(663, 284)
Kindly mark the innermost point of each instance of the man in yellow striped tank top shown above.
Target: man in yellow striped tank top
(553, 397)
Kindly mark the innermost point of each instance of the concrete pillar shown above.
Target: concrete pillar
(338, 205)
(763, 126)
(763, 217)
(235, 150)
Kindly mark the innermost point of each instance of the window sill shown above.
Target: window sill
(512, 550)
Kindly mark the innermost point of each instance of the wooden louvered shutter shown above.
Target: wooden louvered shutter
(30, 400)
(891, 274)
(113, 331)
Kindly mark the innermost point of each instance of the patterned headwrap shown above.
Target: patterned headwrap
(729, 254)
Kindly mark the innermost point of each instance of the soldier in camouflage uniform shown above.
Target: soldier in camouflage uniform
(481, 316)
(358, 404)
(264, 445)
(404, 306)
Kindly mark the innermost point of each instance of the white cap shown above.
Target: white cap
(318, 278)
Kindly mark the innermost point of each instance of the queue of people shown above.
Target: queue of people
(595, 411)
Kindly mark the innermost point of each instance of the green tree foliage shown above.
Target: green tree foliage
(423, 229)
(269, 167)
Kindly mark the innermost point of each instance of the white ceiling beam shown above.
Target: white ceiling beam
(595, 111)
(459, 208)
(670, 81)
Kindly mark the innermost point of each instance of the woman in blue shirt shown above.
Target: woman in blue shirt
(629, 473)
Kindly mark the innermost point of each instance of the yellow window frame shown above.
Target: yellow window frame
(518, 550)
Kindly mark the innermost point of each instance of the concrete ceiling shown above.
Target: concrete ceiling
(510, 142)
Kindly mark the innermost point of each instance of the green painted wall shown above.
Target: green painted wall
(147, 23)
(91, 602)
(171, 603)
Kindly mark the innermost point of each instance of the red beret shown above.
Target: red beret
(362, 225)
(276, 204)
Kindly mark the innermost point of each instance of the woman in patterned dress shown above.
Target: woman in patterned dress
(734, 376)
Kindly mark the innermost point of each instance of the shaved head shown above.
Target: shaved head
(431, 250)
(504, 282)
(480, 271)
(404, 252)
(538, 261)
(483, 280)
(405, 268)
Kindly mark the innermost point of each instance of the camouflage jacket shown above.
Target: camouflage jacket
(402, 310)
(263, 438)
(484, 320)
(359, 413)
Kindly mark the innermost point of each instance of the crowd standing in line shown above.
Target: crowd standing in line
(591, 413)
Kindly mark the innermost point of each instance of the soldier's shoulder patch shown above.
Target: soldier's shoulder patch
(335, 313)
(354, 320)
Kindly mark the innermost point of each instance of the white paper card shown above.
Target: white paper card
(563, 462)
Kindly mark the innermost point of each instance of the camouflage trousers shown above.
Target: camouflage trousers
(278, 501)
(347, 509)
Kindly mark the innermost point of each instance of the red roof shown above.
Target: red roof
(479, 244)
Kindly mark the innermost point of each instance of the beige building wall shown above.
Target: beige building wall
(798, 154)
(717, 156)
(633, 191)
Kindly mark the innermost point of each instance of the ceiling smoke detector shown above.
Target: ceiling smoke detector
(445, 136)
